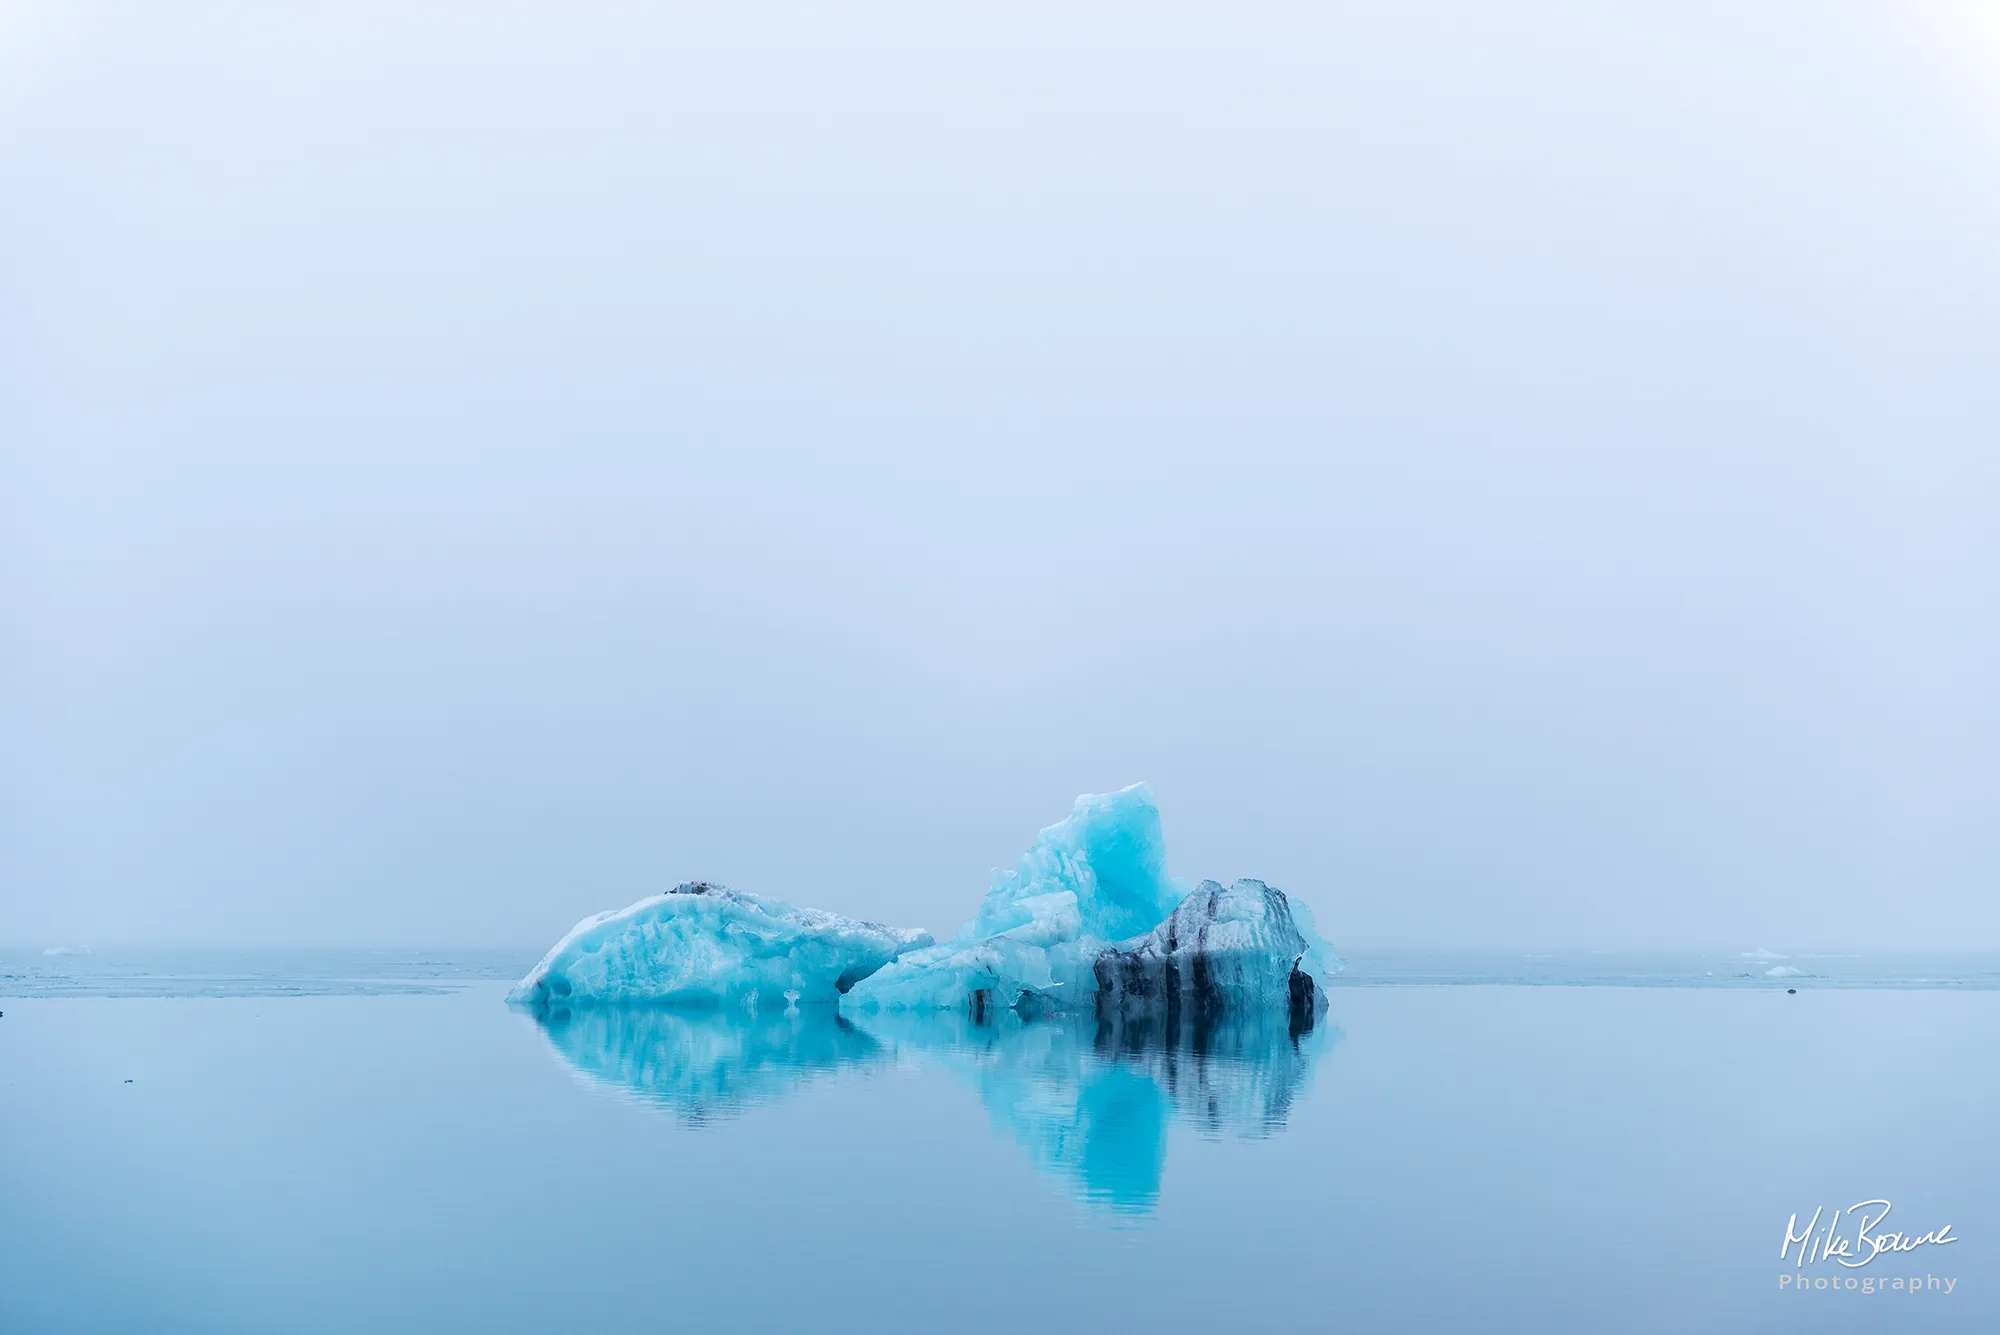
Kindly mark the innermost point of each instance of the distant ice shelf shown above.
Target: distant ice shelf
(1087, 922)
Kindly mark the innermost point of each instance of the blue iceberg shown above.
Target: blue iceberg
(1089, 920)
(705, 945)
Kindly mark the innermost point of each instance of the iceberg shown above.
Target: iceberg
(706, 945)
(1089, 921)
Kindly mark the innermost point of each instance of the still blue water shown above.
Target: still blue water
(371, 1141)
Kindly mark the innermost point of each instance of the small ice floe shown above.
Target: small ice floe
(67, 950)
(1760, 953)
(1784, 971)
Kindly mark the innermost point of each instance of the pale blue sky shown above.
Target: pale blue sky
(1511, 474)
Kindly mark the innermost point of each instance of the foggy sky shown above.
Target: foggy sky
(1511, 474)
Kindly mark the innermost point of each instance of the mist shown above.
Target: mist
(1511, 478)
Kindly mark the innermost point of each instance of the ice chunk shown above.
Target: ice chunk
(1762, 953)
(1784, 971)
(1094, 878)
(1223, 949)
(705, 945)
(994, 974)
(1091, 906)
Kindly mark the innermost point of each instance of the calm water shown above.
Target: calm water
(371, 1141)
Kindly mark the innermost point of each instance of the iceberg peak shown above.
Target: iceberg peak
(1108, 855)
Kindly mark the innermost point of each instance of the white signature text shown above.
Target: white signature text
(1867, 1241)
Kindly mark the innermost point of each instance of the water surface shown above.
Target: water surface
(340, 1158)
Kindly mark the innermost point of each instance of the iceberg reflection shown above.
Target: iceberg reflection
(705, 1064)
(1090, 1101)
